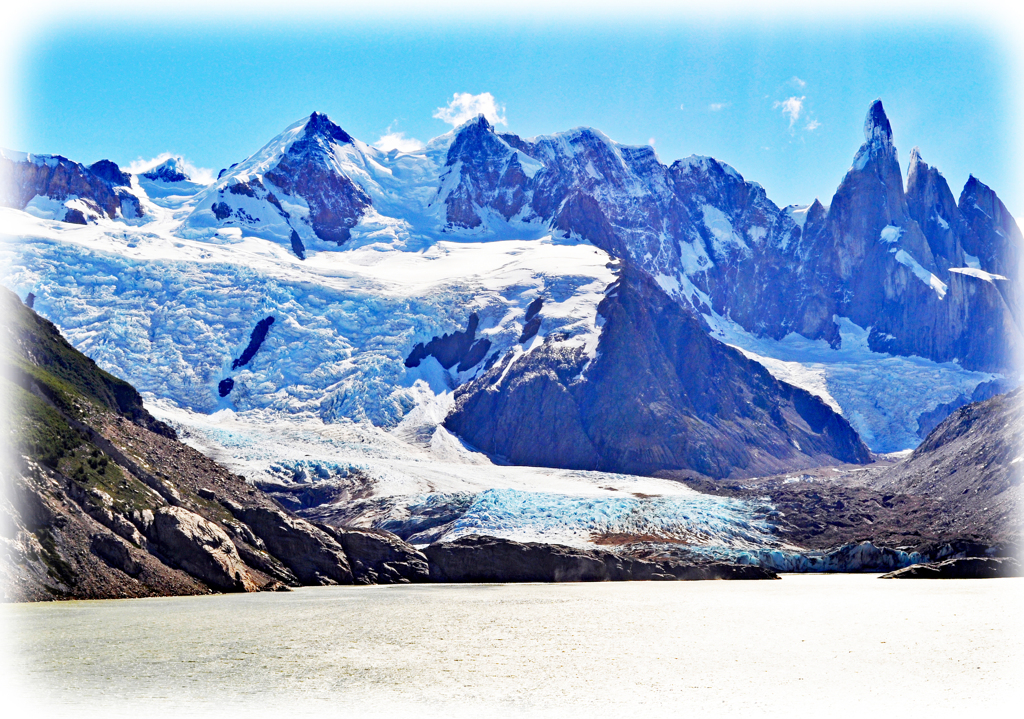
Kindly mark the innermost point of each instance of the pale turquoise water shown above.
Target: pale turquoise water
(834, 645)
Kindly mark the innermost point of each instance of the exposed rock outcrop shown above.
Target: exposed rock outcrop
(379, 557)
(963, 568)
(661, 395)
(489, 559)
(313, 555)
(80, 194)
(199, 547)
(457, 348)
(256, 339)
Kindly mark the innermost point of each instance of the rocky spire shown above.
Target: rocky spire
(876, 125)
(931, 204)
(993, 235)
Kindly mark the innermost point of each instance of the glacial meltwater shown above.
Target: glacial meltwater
(833, 645)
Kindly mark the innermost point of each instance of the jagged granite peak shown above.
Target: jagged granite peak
(319, 125)
(993, 235)
(876, 125)
(295, 190)
(486, 172)
(931, 204)
(170, 170)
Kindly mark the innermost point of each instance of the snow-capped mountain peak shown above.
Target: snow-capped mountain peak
(320, 126)
(171, 170)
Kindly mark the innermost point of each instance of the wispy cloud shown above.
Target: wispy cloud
(682, 106)
(392, 140)
(791, 107)
(651, 142)
(812, 125)
(797, 83)
(718, 106)
(465, 107)
(196, 173)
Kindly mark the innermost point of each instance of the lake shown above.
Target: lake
(802, 646)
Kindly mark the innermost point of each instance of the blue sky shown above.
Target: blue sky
(782, 102)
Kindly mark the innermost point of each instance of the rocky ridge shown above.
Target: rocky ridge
(70, 191)
(657, 393)
(918, 268)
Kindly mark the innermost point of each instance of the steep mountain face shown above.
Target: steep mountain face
(100, 500)
(973, 463)
(658, 395)
(296, 187)
(895, 262)
(900, 263)
(55, 188)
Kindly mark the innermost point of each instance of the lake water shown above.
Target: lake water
(833, 645)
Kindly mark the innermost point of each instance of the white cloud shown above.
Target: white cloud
(398, 141)
(682, 107)
(465, 107)
(791, 108)
(812, 125)
(196, 174)
(797, 83)
(716, 106)
(651, 142)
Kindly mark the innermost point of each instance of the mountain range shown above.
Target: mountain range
(493, 302)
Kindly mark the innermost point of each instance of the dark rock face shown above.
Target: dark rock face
(225, 386)
(660, 395)
(963, 568)
(297, 247)
(115, 552)
(313, 555)
(489, 559)
(75, 217)
(460, 348)
(335, 202)
(102, 187)
(110, 173)
(379, 557)
(256, 339)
